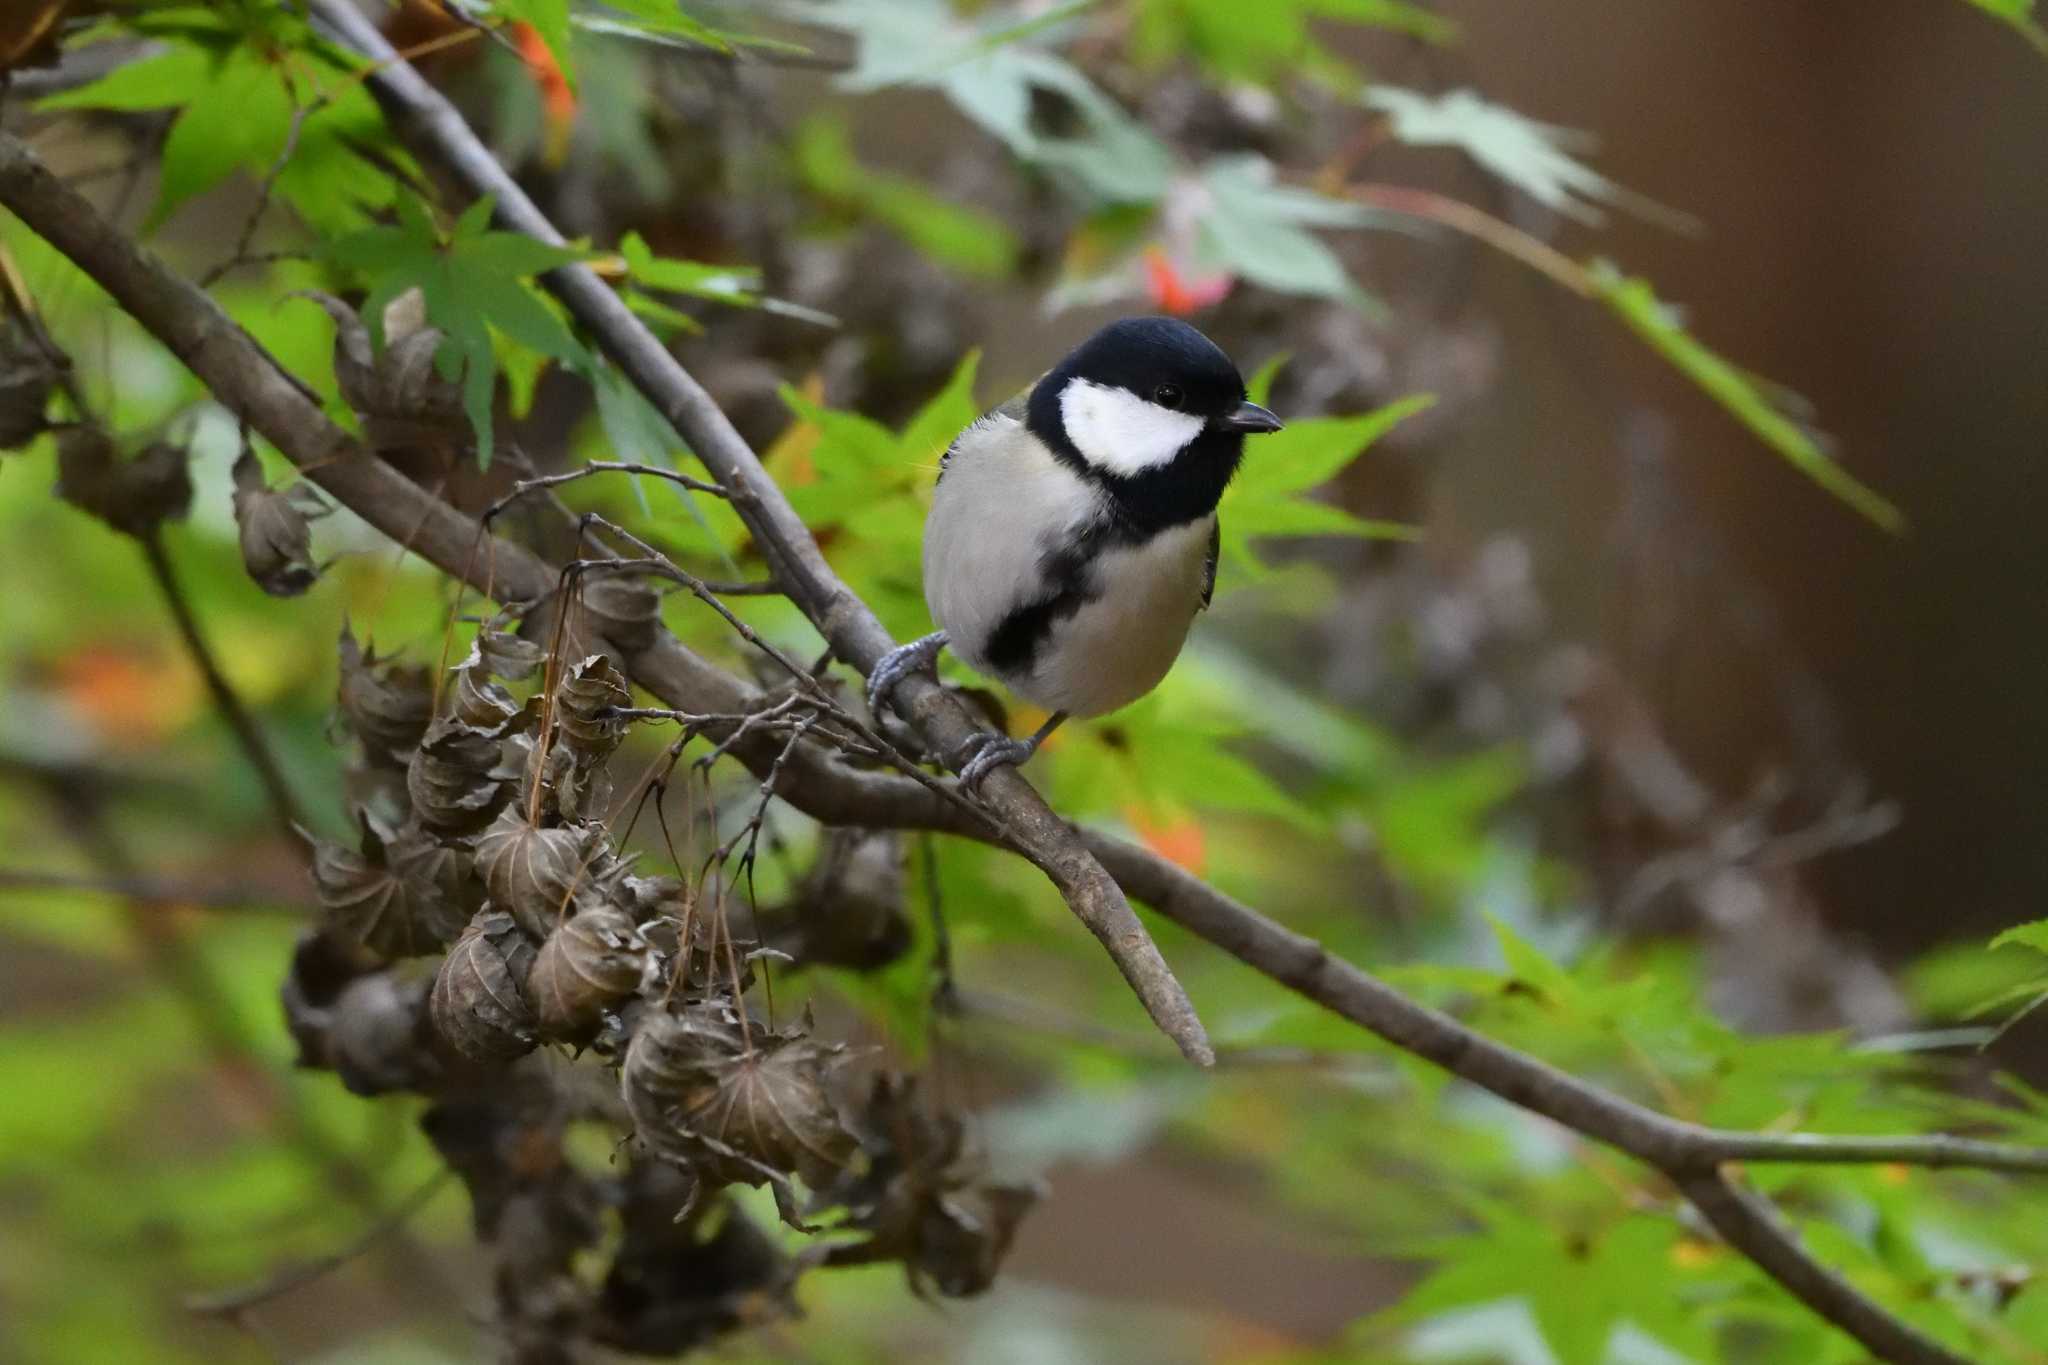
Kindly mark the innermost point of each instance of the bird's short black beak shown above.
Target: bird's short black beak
(1251, 419)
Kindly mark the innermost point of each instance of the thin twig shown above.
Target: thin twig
(155, 891)
(526, 486)
(264, 193)
(284, 807)
(234, 1302)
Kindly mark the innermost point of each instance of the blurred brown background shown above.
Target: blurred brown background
(1872, 185)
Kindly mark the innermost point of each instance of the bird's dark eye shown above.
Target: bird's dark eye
(1168, 396)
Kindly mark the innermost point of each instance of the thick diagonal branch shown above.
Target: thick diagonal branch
(244, 378)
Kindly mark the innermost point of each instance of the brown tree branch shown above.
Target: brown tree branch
(247, 380)
(436, 129)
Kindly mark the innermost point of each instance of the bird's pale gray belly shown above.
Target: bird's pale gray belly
(1117, 646)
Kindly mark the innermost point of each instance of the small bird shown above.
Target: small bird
(1073, 536)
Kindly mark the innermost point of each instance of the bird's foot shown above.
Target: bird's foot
(985, 751)
(900, 663)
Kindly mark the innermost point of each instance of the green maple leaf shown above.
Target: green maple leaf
(475, 282)
(1266, 497)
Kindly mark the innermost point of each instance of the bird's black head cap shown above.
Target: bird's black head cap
(1168, 364)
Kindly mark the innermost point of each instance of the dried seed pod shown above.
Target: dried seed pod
(389, 705)
(134, 496)
(922, 1197)
(27, 374)
(772, 1105)
(676, 1286)
(736, 1107)
(572, 791)
(535, 873)
(478, 1005)
(592, 962)
(453, 778)
(670, 1053)
(370, 900)
(584, 706)
(481, 702)
(621, 609)
(375, 1044)
(402, 399)
(849, 910)
(274, 530)
(323, 965)
(507, 656)
(447, 867)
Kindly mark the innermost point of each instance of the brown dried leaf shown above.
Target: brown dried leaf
(477, 1004)
(592, 962)
(134, 496)
(389, 705)
(535, 873)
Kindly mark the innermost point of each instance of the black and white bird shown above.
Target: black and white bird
(1072, 536)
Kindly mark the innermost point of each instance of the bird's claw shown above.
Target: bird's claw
(898, 664)
(985, 752)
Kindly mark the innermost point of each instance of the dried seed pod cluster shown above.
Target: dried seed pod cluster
(482, 844)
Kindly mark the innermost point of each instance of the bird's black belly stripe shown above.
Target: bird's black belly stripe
(1069, 576)
(1014, 646)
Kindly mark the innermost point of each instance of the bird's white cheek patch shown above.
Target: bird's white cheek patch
(1116, 430)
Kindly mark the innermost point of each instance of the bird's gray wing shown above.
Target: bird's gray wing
(1015, 410)
(1209, 563)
